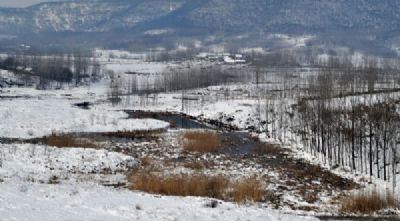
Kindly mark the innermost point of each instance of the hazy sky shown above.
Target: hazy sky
(20, 3)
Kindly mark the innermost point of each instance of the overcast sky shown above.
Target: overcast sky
(20, 3)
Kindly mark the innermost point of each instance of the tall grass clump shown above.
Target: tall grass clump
(201, 141)
(219, 187)
(369, 202)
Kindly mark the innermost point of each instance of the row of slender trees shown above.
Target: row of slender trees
(54, 69)
(345, 115)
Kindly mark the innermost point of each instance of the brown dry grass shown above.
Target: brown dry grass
(146, 161)
(60, 141)
(201, 141)
(369, 203)
(181, 185)
(219, 187)
(247, 190)
(195, 165)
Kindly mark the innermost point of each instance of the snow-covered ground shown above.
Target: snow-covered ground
(26, 169)
(121, 66)
(31, 202)
(124, 61)
(46, 183)
(42, 163)
(27, 118)
(43, 113)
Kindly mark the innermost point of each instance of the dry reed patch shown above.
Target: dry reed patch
(201, 141)
(60, 141)
(219, 187)
(198, 185)
(369, 202)
(248, 190)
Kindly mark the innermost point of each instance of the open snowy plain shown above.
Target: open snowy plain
(39, 182)
(44, 182)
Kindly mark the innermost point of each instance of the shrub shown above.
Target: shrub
(201, 141)
(248, 190)
(146, 161)
(369, 202)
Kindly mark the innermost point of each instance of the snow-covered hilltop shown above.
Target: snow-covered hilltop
(106, 15)
(362, 22)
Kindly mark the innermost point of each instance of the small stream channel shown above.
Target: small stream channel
(176, 121)
(237, 143)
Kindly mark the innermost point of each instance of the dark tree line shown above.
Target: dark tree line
(53, 70)
(347, 116)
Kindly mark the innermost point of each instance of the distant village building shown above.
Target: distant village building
(229, 60)
(226, 58)
(234, 59)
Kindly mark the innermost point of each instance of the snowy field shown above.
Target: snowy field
(28, 118)
(31, 202)
(46, 183)
(124, 61)
(42, 163)
(39, 182)
(54, 112)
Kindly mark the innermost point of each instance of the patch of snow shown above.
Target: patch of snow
(257, 50)
(295, 41)
(158, 32)
(138, 66)
(40, 163)
(41, 116)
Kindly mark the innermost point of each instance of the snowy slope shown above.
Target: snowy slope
(363, 24)
(108, 15)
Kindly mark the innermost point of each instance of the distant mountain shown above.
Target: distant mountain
(352, 22)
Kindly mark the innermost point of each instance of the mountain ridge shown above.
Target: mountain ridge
(238, 14)
(205, 17)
